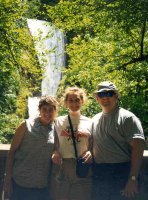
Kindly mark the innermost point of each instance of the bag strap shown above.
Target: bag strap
(73, 136)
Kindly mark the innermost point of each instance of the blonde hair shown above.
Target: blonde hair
(75, 90)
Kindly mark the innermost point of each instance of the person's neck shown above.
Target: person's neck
(44, 123)
(108, 110)
(75, 114)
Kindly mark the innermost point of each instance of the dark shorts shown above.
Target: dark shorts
(109, 180)
(23, 193)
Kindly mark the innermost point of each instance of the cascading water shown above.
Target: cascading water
(49, 43)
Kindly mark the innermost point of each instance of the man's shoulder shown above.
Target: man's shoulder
(125, 112)
(127, 115)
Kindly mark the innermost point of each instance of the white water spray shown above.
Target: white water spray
(49, 44)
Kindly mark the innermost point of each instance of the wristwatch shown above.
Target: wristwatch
(133, 178)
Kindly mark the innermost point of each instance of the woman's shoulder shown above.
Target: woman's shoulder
(31, 121)
(83, 117)
(61, 119)
(97, 116)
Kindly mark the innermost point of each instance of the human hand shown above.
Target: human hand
(87, 156)
(131, 189)
(56, 158)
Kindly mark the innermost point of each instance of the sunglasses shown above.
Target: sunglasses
(106, 94)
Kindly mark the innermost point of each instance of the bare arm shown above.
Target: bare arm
(88, 154)
(56, 157)
(131, 187)
(16, 142)
(137, 155)
(56, 142)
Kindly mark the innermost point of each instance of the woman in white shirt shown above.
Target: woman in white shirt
(68, 186)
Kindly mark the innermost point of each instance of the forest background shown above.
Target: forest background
(105, 40)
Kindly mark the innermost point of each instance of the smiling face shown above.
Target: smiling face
(107, 102)
(48, 109)
(74, 102)
(47, 114)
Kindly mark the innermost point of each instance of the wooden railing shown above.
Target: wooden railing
(3, 155)
(4, 148)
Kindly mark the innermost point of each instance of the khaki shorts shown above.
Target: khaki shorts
(65, 185)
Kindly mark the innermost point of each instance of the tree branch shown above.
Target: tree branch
(134, 60)
(142, 38)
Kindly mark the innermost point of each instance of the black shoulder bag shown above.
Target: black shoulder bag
(82, 168)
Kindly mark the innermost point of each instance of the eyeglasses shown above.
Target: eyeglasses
(106, 94)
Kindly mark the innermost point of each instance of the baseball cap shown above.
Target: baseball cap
(106, 86)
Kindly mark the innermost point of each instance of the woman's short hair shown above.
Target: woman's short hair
(48, 100)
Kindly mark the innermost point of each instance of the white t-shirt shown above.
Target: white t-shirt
(80, 127)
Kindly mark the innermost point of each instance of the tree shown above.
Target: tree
(20, 72)
(106, 39)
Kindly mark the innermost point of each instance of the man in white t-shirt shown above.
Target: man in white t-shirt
(118, 144)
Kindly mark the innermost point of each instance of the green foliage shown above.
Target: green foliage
(20, 73)
(8, 58)
(8, 125)
(106, 40)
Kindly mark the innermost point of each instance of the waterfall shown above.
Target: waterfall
(49, 44)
